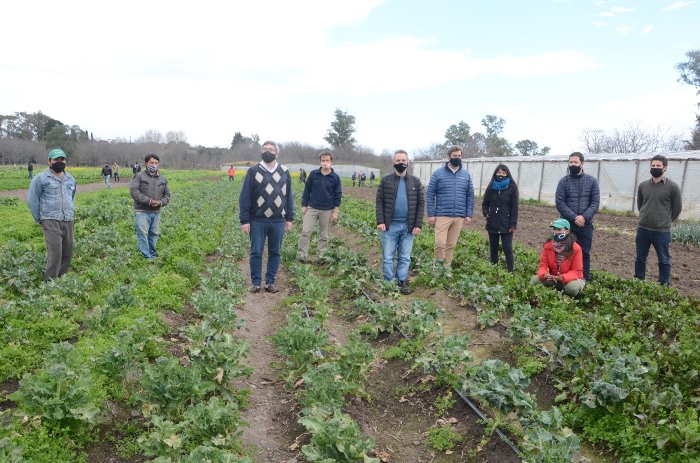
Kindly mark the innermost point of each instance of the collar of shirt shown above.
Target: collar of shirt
(262, 163)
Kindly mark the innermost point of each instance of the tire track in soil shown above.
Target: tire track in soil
(272, 412)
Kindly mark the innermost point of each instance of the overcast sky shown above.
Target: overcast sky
(406, 69)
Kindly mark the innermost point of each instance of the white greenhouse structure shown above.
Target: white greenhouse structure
(618, 176)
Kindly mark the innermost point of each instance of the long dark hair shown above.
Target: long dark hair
(504, 168)
(568, 244)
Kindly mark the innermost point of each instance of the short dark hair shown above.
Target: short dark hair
(325, 153)
(151, 156)
(577, 154)
(661, 158)
(453, 149)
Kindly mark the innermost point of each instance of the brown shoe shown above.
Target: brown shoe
(271, 288)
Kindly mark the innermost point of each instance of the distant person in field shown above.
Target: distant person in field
(561, 261)
(30, 170)
(231, 174)
(266, 211)
(500, 208)
(363, 178)
(51, 200)
(371, 179)
(320, 203)
(450, 199)
(354, 178)
(660, 204)
(399, 208)
(150, 193)
(577, 200)
(106, 174)
(115, 172)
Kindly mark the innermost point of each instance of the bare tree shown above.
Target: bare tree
(173, 136)
(633, 138)
(151, 136)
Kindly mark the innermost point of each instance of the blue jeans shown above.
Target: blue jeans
(147, 226)
(584, 238)
(259, 232)
(107, 177)
(662, 243)
(396, 238)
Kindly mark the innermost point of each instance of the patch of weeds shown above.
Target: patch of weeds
(404, 350)
(443, 403)
(443, 437)
(527, 361)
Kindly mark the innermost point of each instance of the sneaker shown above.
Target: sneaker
(254, 288)
(271, 288)
(403, 288)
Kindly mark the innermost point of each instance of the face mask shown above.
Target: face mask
(500, 178)
(559, 236)
(456, 162)
(268, 157)
(152, 169)
(655, 172)
(400, 167)
(574, 170)
(58, 167)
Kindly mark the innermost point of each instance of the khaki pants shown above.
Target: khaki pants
(446, 235)
(309, 223)
(571, 289)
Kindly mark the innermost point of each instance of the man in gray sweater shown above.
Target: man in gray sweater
(660, 203)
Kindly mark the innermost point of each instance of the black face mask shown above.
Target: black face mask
(268, 157)
(500, 178)
(656, 172)
(400, 167)
(559, 236)
(58, 167)
(574, 170)
(456, 162)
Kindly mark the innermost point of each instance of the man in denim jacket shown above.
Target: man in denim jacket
(51, 200)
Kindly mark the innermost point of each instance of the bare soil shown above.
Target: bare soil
(613, 243)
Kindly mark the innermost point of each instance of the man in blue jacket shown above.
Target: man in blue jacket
(51, 200)
(577, 200)
(320, 203)
(266, 211)
(450, 199)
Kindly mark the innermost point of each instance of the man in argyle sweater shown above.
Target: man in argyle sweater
(266, 208)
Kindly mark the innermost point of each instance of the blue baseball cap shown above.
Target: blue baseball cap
(57, 153)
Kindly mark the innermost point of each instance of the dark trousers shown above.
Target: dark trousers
(507, 241)
(584, 238)
(662, 244)
(58, 235)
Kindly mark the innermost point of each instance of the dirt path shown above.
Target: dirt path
(613, 243)
(272, 414)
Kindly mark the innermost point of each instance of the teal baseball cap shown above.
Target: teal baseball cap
(57, 153)
(561, 223)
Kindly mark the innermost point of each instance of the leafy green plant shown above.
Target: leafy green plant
(443, 437)
(335, 438)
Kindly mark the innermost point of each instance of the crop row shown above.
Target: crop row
(622, 352)
(165, 383)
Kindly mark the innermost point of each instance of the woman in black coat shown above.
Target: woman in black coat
(500, 207)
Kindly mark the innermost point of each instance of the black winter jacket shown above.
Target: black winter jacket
(501, 209)
(386, 199)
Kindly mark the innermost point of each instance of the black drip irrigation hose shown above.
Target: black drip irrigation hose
(464, 398)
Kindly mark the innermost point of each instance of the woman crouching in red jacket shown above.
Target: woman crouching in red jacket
(561, 262)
